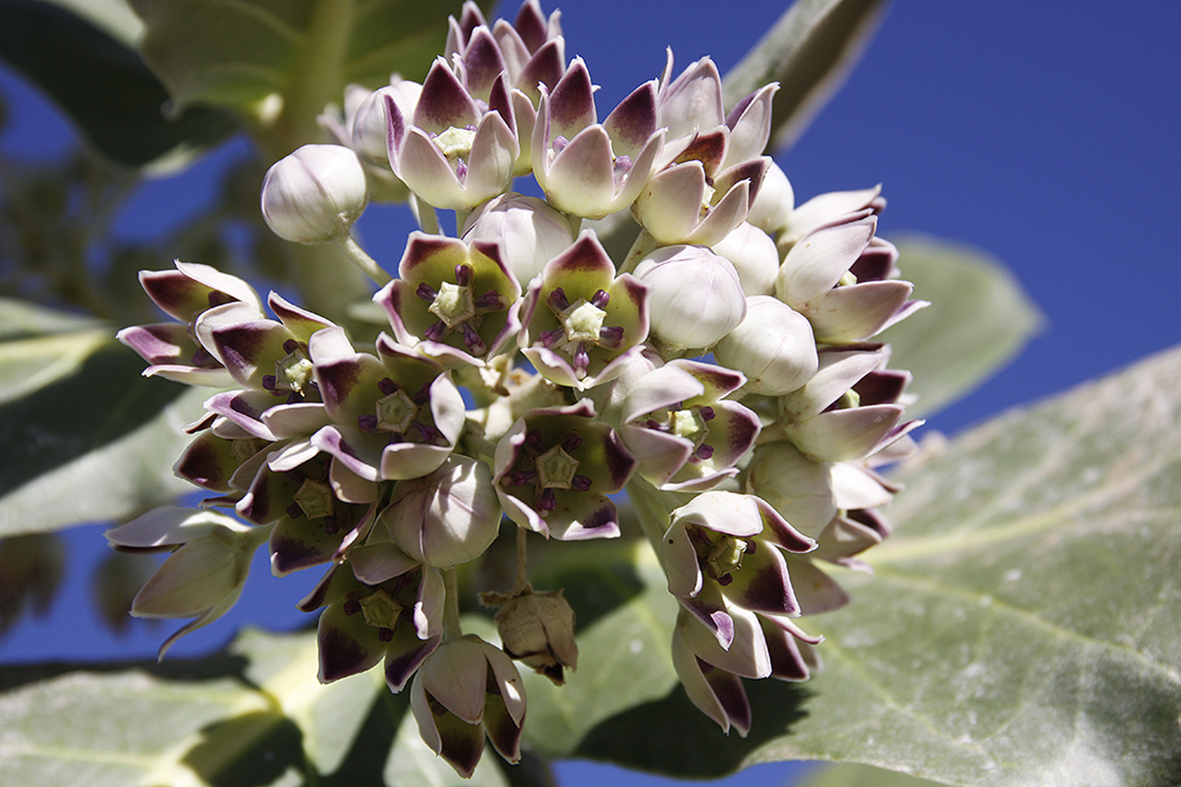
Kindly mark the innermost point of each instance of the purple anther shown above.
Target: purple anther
(351, 606)
(601, 299)
(384, 634)
(533, 440)
(294, 511)
(707, 413)
(558, 299)
(489, 302)
(387, 386)
(611, 336)
(461, 170)
(580, 483)
(475, 345)
(581, 359)
(571, 441)
(463, 275)
(549, 338)
(547, 501)
(423, 396)
(703, 451)
(426, 292)
(437, 332)
(520, 477)
(367, 423)
(268, 383)
(559, 143)
(290, 346)
(429, 434)
(725, 579)
(751, 547)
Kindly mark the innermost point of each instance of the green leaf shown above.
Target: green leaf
(1023, 626)
(809, 51)
(979, 319)
(281, 61)
(83, 436)
(118, 105)
(862, 776)
(255, 715)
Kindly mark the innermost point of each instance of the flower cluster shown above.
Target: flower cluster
(723, 373)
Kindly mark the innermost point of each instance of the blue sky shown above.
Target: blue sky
(1045, 133)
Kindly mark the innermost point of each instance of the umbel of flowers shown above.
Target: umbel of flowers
(724, 373)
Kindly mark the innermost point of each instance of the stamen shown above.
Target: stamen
(558, 299)
(489, 302)
(387, 386)
(475, 344)
(580, 483)
(550, 338)
(463, 275)
(611, 336)
(601, 299)
(437, 332)
(426, 292)
(707, 413)
(367, 423)
(547, 501)
(351, 606)
(290, 346)
(571, 441)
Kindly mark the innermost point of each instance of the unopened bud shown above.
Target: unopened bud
(314, 194)
(538, 629)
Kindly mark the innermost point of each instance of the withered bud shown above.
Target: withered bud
(538, 630)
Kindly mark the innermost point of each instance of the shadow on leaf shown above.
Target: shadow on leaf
(670, 736)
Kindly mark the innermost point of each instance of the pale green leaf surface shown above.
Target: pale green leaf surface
(1022, 627)
(253, 716)
(862, 776)
(120, 106)
(979, 319)
(809, 51)
(83, 436)
(281, 61)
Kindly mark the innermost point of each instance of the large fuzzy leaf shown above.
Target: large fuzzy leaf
(83, 436)
(253, 716)
(809, 51)
(120, 105)
(979, 319)
(281, 61)
(1023, 626)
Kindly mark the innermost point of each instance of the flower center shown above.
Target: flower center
(555, 469)
(380, 609)
(720, 555)
(456, 143)
(314, 498)
(582, 321)
(293, 372)
(453, 304)
(395, 412)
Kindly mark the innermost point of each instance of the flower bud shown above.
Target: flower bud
(314, 194)
(371, 122)
(447, 517)
(538, 629)
(771, 211)
(773, 346)
(694, 296)
(755, 257)
(528, 231)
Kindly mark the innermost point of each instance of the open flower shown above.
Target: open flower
(588, 168)
(582, 322)
(395, 416)
(466, 689)
(385, 608)
(451, 300)
(454, 152)
(203, 576)
(684, 434)
(554, 470)
(724, 552)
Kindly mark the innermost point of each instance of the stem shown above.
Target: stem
(348, 244)
(521, 583)
(451, 627)
(425, 215)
